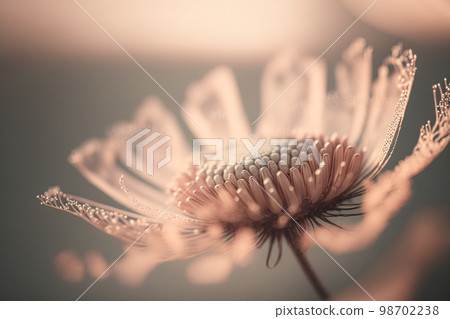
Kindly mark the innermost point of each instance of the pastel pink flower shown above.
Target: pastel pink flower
(228, 210)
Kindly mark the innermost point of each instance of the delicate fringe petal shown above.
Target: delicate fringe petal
(384, 198)
(187, 238)
(405, 65)
(433, 139)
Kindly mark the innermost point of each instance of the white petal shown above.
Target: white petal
(97, 161)
(353, 81)
(103, 161)
(293, 92)
(216, 104)
(153, 115)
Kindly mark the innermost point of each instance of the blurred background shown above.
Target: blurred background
(64, 80)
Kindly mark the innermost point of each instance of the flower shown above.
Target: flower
(231, 209)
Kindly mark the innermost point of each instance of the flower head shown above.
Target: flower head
(286, 191)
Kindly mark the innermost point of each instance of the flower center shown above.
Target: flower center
(306, 182)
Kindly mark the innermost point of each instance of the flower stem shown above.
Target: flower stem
(309, 271)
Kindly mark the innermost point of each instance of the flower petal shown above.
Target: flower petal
(293, 91)
(216, 103)
(103, 161)
(385, 115)
(433, 139)
(353, 81)
(97, 161)
(384, 198)
(170, 235)
(152, 114)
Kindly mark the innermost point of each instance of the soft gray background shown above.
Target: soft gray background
(50, 107)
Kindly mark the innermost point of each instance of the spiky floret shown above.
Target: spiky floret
(257, 192)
